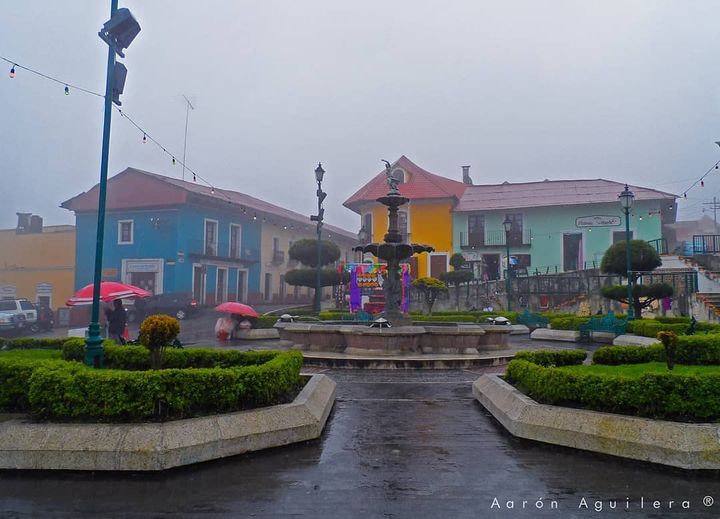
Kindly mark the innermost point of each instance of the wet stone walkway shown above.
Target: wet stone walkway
(398, 444)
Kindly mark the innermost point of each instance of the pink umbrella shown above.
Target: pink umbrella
(109, 290)
(237, 308)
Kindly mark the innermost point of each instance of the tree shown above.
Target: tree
(305, 251)
(457, 261)
(643, 258)
(157, 332)
(431, 289)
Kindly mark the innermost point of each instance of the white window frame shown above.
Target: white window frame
(203, 294)
(132, 232)
(241, 290)
(239, 243)
(217, 230)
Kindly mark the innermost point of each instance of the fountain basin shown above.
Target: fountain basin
(448, 338)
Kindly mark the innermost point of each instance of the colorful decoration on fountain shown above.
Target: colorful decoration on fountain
(367, 279)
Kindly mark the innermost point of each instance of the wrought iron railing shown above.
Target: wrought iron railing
(222, 250)
(496, 239)
(706, 243)
(278, 257)
(660, 245)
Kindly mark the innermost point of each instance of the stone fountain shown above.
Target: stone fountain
(393, 251)
(402, 337)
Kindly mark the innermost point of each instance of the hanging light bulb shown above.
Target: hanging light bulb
(144, 139)
(173, 161)
(212, 190)
(67, 90)
(194, 179)
(684, 195)
(255, 217)
(12, 72)
(640, 218)
(702, 183)
(716, 166)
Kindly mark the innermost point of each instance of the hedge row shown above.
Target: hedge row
(568, 323)
(63, 390)
(666, 396)
(553, 357)
(651, 327)
(691, 349)
(131, 396)
(27, 343)
(136, 358)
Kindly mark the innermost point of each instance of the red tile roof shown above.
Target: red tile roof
(549, 193)
(420, 185)
(136, 189)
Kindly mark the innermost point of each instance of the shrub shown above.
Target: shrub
(651, 327)
(616, 355)
(669, 341)
(27, 343)
(15, 380)
(567, 323)
(458, 318)
(73, 349)
(157, 332)
(666, 396)
(120, 396)
(266, 321)
(553, 357)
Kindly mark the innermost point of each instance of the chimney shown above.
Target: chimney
(466, 175)
(23, 225)
(36, 224)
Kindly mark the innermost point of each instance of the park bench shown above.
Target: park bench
(532, 320)
(607, 324)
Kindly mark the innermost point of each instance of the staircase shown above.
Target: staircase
(705, 303)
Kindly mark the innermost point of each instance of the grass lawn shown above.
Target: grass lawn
(635, 370)
(31, 354)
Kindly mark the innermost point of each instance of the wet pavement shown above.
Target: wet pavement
(398, 444)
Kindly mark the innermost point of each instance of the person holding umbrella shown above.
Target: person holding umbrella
(117, 319)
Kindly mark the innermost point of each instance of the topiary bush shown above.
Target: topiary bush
(617, 355)
(15, 377)
(568, 323)
(157, 332)
(651, 327)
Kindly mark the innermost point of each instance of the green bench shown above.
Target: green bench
(532, 320)
(607, 324)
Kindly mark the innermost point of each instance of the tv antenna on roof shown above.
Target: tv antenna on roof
(187, 116)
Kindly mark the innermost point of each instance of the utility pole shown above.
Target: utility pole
(187, 116)
(715, 206)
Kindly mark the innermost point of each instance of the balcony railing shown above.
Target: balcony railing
(278, 257)
(495, 239)
(706, 243)
(222, 251)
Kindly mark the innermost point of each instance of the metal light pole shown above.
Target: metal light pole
(319, 172)
(507, 225)
(118, 32)
(626, 201)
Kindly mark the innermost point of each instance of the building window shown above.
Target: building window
(476, 230)
(367, 225)
(515, 236)
(221, 289)
(235, 237)
(211, 238)
(125, 232)
(399, 175)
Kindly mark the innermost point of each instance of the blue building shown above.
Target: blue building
(168, 235)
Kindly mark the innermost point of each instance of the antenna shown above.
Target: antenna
(187, 116)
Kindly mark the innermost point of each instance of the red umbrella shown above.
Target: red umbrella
(109, 290)
(237, 308)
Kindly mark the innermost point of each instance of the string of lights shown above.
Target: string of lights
(146, 135)
(701, 180)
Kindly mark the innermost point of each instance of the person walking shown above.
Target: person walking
(117, 319)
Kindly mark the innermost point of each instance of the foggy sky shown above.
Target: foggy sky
(520, 90)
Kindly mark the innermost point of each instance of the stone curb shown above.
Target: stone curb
(683, 445)
(634, 340)
(161, 446)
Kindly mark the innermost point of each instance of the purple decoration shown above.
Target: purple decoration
(355, 293)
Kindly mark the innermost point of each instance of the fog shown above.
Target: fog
(520, 90)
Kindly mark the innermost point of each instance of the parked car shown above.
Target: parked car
(178, 305)
(24, 311)
(11, 324)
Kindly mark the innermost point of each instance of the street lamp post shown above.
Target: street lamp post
(626, 201)
(319, 173)
(118, 33)
(507, 225)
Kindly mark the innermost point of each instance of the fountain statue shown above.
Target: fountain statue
(393, 250)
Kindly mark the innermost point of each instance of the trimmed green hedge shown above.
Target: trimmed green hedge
(651, 327)
(450, 318)
(568, 323)
(691, 349)
(15, 374)
(553, 357)
(129, 396)
(28, 343)
(666, 396)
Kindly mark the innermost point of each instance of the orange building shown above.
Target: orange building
(426, 219)
(37, 262)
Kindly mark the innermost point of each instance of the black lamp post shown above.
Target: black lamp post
(626, 201)
(507, 225)
(319, 172)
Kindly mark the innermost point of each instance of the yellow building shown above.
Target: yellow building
(426, 219)
(37, 263)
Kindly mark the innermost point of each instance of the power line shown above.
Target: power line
(146, 135)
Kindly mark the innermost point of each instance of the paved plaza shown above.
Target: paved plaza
(398, 444)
